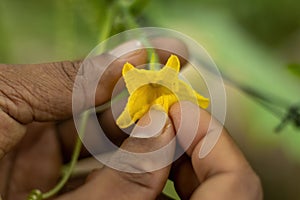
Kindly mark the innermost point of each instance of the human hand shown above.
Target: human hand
(223, 179)
(223, 174)
(35, 102)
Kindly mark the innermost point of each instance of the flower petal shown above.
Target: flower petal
(173, 62)
(124, 120)
(137, 106)
(202, 101)
(127, 67)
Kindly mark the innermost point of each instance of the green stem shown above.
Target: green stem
(106, 30)
(99, 109)
(131, 24)
(107, 27)
(67, 171)
(153, 62)
(37, 194)
(107, 105)
(74, 158)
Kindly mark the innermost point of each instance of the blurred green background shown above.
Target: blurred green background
(252, 42)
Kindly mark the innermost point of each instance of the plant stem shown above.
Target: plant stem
(107, 27)
(106, 105)
(105, 33)
(131, 24)
(67, 171)
(74, 158)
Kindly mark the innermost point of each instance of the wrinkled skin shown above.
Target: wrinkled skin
(37, 136)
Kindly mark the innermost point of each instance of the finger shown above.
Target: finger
(10, 133)
(184, 177)
(223, 173)
(34, 165)
(226, 170)
(43, 92)
(167, 46)
(143, 184)
(34, 92)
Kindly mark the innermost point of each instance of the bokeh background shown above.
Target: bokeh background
(256, 45)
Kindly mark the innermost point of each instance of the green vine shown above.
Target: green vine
(37, 194)
(122, 7)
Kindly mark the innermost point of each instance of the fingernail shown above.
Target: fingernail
(154, 128)
(126, 48)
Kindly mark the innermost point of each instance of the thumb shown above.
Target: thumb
(135, 174)
(43, 92)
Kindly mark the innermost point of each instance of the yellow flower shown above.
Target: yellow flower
(160, 89)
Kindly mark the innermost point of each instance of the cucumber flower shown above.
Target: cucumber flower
(157, 89)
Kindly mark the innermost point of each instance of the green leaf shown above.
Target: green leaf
(294, 68)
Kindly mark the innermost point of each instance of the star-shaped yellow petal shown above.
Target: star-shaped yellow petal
(160, 89)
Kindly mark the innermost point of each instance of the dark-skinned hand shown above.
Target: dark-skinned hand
(37, 135)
